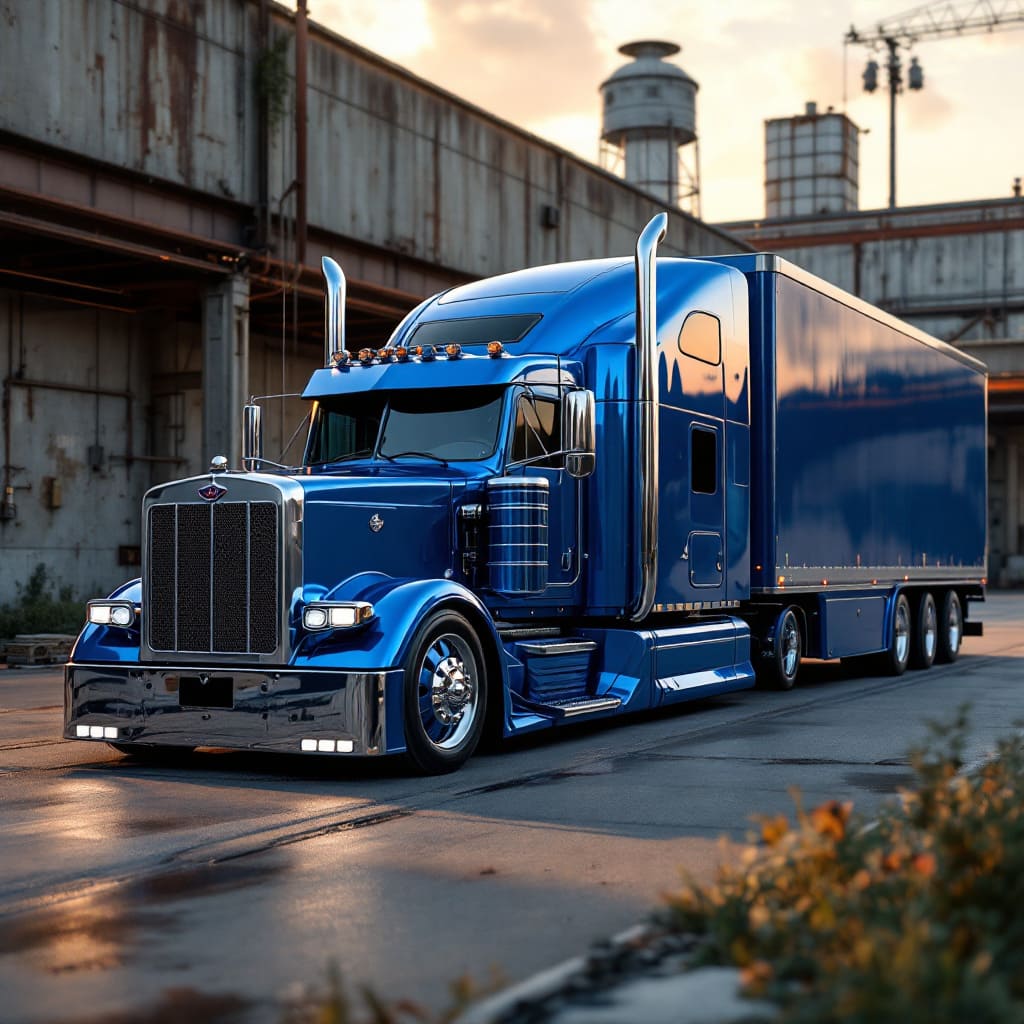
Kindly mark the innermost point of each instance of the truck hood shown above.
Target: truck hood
(398, 526)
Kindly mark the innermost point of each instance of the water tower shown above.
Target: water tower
(649, 128)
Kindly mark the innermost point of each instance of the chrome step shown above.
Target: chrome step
(574, 706)
(557, 645)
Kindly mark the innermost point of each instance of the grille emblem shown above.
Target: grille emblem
(376, 523)
(212, 491)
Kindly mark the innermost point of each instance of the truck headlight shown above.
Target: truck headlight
(318, 615)
(111, 613)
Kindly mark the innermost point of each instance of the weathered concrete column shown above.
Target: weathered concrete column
(225, 368)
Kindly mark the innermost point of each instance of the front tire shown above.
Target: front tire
(445, 694)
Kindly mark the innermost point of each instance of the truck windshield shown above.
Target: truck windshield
(446, 424)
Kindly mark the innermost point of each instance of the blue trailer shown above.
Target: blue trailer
(568, 492)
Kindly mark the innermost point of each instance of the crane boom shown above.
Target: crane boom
(941, 20)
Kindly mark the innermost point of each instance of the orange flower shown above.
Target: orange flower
(924, 864)
(830, 818)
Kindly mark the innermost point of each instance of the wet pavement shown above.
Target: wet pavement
(221, 886)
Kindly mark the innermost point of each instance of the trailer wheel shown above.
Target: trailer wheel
(897, 657)
(926, 633)
(779, 670)
(951, 628)
(445, 695)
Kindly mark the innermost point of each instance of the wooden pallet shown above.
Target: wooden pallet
(39, 649)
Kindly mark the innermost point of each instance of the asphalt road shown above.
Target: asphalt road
(189, 891)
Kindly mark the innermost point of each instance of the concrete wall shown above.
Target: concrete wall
(52, 431)
(138, 122)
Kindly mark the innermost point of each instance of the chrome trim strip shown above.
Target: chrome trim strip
(772, 262)
(554, 647)
(647, 407)
(334, 308)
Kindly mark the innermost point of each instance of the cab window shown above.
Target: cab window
(538, 432)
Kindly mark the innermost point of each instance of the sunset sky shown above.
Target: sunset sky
(539, 63)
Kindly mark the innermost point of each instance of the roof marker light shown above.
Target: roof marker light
(495, 349)
(453, 350)
(401, 354)
(385, 354)
(366, 356)
(340, 358)
(425, 352)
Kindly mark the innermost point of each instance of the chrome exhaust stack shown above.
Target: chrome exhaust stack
(334, 309)
(647, 407)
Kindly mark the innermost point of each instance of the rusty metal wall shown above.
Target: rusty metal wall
(155, 86)
(167, 88)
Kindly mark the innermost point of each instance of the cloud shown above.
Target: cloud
(518, 59)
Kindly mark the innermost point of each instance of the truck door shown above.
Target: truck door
(692, 554)
(537, 430)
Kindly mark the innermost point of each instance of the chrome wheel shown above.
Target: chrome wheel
(448, 691)
(951, 628)
(790, 641)
(445, 693)
(901, 631)
(925, 640)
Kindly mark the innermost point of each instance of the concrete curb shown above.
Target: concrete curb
(542, 985)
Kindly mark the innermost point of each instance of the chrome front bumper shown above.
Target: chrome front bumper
(283, 710)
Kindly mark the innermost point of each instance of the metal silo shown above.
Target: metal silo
(810, 164)
(649, 127)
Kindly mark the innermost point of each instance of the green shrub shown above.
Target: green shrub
(37, 610)
(915, 917)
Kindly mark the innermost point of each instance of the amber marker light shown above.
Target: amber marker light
(495, 349)
(782, 581)
(401, 353)
(425, 352)
(453, 350)
(340, 358)
(385, 355)
(366, 356)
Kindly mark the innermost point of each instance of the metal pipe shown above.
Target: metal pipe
(894, 85)
(301, 53)
(334, 309)
(647, 408)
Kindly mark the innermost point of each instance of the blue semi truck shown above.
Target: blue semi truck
(563, 493)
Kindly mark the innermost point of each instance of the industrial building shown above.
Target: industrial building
(170, 175)
(956, 270)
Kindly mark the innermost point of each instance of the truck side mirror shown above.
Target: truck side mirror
(252, 438)
(578, 433)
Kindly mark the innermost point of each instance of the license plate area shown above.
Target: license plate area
(205, 691)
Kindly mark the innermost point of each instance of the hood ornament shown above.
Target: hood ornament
(376, 523)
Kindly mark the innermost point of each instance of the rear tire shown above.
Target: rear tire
(779, 671)
(895, 660)
(951, 628)
(925, 636)
(445, 694)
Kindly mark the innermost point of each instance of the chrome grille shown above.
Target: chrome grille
(213, 583)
